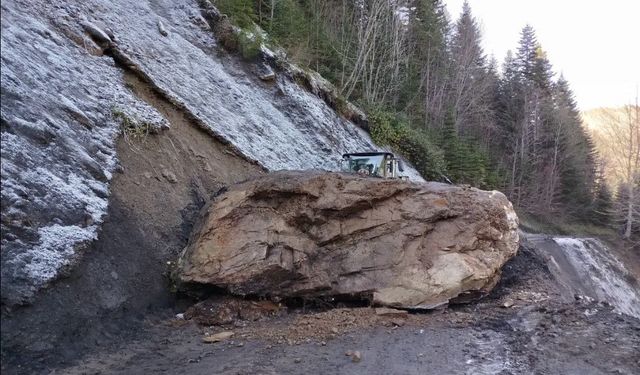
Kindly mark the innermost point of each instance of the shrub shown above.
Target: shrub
(415, 145)
(241, 12)
(249, 43)
(227, 35)
(130, 128)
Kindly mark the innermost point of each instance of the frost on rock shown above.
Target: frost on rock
(592, 259)
(281, 126)
(63, 101)
(58, 149)
(55, 250)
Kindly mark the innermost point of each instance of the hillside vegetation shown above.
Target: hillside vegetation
(432, 94)
(616, 134)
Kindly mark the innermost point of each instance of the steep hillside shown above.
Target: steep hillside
(65, 100)
(121, 119)
(118, 120)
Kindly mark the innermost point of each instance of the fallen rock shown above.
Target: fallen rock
(356, 356)
(508, 303)
(96, 33)
(227, 310)
(169, 176)
(217, 337)
(162, 29)
(397, 322)
(265, 72)
(385, 311)
(399, 243)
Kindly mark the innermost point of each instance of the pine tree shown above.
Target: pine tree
(423, 93)
(527, 53)
(578, 171)
(602, 209)
(451, 147)
(469, 76)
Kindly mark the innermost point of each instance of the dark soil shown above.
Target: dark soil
(163, 182)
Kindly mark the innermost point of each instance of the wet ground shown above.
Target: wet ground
(579, 338)
(523, 327)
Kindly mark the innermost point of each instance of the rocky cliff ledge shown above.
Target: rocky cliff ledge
(403, 244)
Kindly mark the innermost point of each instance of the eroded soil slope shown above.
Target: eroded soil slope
(161, 184)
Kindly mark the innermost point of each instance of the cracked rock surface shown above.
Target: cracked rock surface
(404, 244)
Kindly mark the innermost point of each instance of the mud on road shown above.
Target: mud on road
(581, 338)
(523, 327)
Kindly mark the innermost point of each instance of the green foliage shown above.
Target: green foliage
(466, 162)
(249, 43)
(602, 208)
(561, 226)
(289, 23)
(240, 12)
(389, 130)
(446, 109)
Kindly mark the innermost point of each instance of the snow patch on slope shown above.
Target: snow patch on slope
(591, 257)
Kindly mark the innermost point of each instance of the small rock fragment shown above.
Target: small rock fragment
(297, 360)
(217, 337)
(169, 176)
(96, 33)
(180, 316)
(162, 29)
(356, 356)
(265, 72)
(507, 304)
(397, 322)
(385, 311)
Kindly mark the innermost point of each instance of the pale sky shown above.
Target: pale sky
(595, 44)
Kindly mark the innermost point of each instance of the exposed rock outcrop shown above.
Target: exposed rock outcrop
(404, 244)
(65, 101)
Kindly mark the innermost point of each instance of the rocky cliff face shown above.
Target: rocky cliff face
(403, 244)
(65, 100)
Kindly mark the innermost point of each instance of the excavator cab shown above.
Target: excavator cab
(374, 164)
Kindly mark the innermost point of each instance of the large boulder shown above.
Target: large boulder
(401, 243)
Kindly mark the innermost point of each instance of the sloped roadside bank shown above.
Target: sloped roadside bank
(65, 101)
(118, 211)
(163, 182)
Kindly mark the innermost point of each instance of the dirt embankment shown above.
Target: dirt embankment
(162, 183)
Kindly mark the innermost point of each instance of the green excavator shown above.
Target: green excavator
(373, 164)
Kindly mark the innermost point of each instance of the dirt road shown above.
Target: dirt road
(539, 334)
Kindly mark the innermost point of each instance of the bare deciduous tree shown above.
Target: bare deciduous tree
(621, 143)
